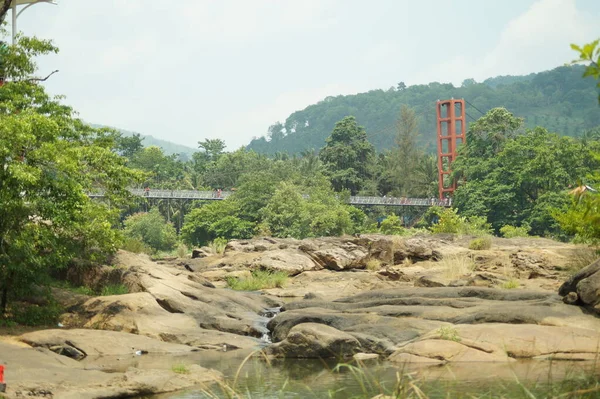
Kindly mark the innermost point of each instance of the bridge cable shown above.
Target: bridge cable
(477, 109)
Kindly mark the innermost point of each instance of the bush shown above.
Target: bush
(481, 243)
(373, 264)
(451, 222)
(218, 245)
(511, 284)
(456, 266)
(217, 219)
(260, 279)
(136, 246)
(114, 289)
(180, 369)
(392, 225)
(449, 333)
(182, 250)
(34, 315)
(509, 231)
(151, 229)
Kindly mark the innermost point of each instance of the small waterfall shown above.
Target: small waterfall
(266, 315)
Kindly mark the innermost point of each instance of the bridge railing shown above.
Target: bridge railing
(214, 195)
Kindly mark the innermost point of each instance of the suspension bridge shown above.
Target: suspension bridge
(194, 195)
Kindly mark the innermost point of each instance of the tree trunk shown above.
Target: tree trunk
(4, 299)
(4, 7)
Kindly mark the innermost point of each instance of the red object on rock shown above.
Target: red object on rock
(2, 384)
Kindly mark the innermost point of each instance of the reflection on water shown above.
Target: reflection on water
(310, 378)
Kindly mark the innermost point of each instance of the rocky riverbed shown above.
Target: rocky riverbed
(422, 301)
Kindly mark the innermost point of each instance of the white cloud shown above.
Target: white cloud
(534, 41)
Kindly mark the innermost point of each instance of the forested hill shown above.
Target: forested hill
(559, 100)
(168, 147)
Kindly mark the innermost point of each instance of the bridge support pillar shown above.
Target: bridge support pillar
(451, 128)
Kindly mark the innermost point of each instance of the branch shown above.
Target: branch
(4, 7)
(40, 79)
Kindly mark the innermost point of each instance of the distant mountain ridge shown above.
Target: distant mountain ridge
(559, 100)
(168, 147)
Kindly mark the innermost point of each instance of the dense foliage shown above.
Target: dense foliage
(152, 229)
(558, 100)
(48, 160)
(515, 178)
(582, 218)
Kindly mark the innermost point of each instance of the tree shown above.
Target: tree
(524, 182)
(406, 154)
(129, 146)
(348, 156)
(152, 229)
(213, 148)
(276, 131)
(401, 86)
(48, 161)
(4, 7)
(215, 220)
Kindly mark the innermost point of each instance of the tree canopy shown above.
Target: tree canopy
(48, 161)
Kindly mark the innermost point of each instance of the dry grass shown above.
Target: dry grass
(583, 257)
(456, 266)
(373, 264)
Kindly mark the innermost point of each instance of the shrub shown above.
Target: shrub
(34, 315)
(114, 289)
(136, 246)
(182, 251)
(449, 333)
(456, 266)
(451, 222)
(152, 229)
(218, 245)
(392, 225)
(511, 284)
(509, 231)
(217, 219)
(481, 243)
(373, 264)
(180, 369)
(260, 279)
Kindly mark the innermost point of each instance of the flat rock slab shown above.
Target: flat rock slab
(101, 343)
(450, 324)
(38, 372)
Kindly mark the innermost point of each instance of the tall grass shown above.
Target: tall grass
(218, 245)
(456, 266)
(357, 380)
(259, 279)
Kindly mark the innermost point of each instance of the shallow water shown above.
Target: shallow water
(309, 378)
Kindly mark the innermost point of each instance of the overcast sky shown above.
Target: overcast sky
(192, 69)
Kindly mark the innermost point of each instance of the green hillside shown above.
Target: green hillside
(168, 147)
(559, 100)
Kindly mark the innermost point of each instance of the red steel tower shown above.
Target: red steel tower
(451, 134)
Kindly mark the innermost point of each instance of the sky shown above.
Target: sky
(188, 70)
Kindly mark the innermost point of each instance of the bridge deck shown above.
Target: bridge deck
(213, 196)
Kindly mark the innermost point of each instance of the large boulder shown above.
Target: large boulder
(313, 340)
(583, 288)
(285, 260)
